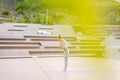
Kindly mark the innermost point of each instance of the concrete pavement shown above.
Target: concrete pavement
(80, 68)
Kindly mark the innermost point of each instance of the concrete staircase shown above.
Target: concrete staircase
(33, 44)
(49, 46)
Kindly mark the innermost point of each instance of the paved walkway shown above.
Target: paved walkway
(52, 69)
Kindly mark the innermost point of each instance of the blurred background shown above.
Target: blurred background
(70, 12)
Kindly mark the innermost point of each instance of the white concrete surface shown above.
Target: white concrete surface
(52, 69)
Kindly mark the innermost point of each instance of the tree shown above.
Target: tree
(23, 6)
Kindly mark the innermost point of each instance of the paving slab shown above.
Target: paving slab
(51, 68)
(79, 68)
(20, 69)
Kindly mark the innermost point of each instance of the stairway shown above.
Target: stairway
(34, 44)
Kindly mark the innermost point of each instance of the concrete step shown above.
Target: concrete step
(75, 52)
(20, 25)
(61, 55)
(44, 39)
(11, 39)
(85, 43)
(80, 46)
(20, 42)
(58, 47)
(48, 37)
(8, 37)
(91, 47)
(72, 51)
(118, 38)
(87, 51)
(45, 51)
(14, 54)
(91, 40)
(19, 46)
(40, 36)
(15, 30)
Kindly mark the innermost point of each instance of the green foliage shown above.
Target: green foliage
(21, 12)
(22, 6)
(37, 18)
(42, 18)
(22, 19)
(110, 13)
(66, 11)
(5, 12)
(32, 19)
(12, 18)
